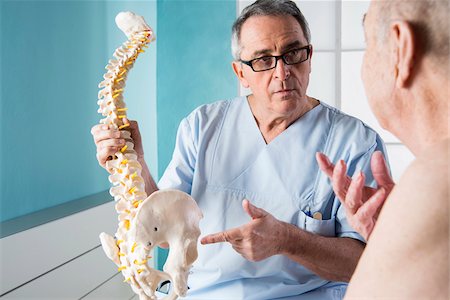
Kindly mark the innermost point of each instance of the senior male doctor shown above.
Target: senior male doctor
(272, 227)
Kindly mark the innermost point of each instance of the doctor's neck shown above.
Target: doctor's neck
(274, 117)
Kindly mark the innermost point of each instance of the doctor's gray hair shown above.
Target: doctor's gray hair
(266, 8)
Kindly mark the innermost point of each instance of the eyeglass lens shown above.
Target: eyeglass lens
(269, 62)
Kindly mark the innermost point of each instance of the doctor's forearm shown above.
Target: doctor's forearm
(331, 258)
(150, 185)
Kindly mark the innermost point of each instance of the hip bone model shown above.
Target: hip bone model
(167, 216)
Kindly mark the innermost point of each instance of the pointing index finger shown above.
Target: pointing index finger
(224, 236)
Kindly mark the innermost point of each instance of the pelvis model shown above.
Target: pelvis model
(167, 216)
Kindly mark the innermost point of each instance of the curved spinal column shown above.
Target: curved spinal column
(128, 186)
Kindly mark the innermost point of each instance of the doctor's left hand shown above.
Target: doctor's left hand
(257, 240)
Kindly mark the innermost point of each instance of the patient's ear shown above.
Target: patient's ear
(237, 68)
(403, 42)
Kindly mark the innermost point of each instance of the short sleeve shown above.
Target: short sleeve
(180, 171)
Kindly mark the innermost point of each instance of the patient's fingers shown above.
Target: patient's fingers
(340, 180)
(367, 214)
(353, 199)
(372, 207)
(380, 170)
(324, 164)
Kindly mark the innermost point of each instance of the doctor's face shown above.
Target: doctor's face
(281, 90)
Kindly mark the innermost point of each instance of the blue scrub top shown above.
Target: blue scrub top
(221, 158)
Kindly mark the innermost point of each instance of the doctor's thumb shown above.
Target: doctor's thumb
(253, 211)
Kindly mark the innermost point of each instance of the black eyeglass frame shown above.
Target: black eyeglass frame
(277, 57)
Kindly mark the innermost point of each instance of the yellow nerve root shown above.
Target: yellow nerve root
(133, 247)
(136, 262)
(124, 126)
(126, 224)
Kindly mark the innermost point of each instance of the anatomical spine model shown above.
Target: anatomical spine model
(167, 216)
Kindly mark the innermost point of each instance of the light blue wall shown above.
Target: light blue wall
(194, 63)
(51, 64)
(194, 66)
(1, 106)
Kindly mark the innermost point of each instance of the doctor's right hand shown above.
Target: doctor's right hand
(109, 141)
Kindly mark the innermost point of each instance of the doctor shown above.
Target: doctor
(272, 227)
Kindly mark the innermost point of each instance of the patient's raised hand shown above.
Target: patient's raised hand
(362, 203)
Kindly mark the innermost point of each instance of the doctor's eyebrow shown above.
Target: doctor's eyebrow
(292, 45)
(364, 20)
(262, 52)
(259, 53)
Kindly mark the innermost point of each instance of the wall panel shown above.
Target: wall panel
(40, 249)
(71, 281)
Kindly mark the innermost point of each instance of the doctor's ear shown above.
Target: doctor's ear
(237, 68)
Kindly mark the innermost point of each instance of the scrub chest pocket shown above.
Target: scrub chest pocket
(320, 227)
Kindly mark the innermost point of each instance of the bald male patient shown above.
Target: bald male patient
(406, 77)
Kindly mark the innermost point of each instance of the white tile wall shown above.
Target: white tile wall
(399, 158)
(322, 83)
(353, 97)
(321, 17)
(352, 29)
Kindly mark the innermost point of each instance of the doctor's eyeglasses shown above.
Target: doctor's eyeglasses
(291, 57)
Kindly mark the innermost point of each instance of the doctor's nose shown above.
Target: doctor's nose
(282, 70)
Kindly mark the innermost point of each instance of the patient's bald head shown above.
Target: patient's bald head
(406, 65)
(429, 20)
